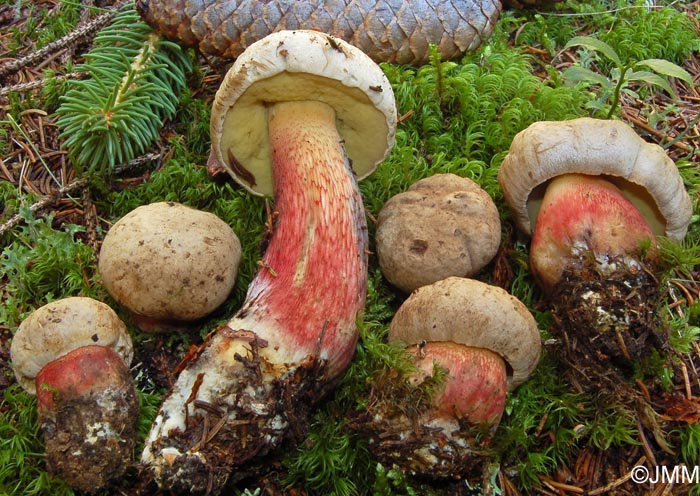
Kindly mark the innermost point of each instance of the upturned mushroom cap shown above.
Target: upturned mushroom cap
(472, 313)
(643, 171)
(169, 261)
(443, 225)
(60, 327)
(300, 66)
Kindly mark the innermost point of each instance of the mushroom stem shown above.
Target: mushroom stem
(87, 412)
(475, 389)
(585, 217)
(249, 385)
(446, 434)
(588, 254)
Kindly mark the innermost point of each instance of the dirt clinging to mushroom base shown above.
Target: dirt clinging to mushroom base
(90, 440)
(268, 410)
(402, 430)
(608, 323)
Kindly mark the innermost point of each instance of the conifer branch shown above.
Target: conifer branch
(117, 112)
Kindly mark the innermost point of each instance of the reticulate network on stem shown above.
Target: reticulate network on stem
(300, 115)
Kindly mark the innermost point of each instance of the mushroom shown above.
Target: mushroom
(589, 158)
(74, 354)
(444, 225)
(487, 342)
(169, 264)
(594, 196)
(300, 114)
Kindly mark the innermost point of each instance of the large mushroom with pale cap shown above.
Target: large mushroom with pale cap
(487, 343)
(594, 196)
(74, 354)
(300, 115)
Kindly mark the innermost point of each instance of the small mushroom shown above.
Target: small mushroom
(487, 342)
(300, 115)
(169, 264)
(595, 196)
(443, 225)
(74, 354)
(609, 163)
(62, 326)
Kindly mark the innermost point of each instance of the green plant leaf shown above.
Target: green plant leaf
(577, 74)
(653, 79)
(595, 45)
(661, 66)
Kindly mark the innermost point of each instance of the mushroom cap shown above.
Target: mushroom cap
(300, 65)
(169, 261)
(472, 313)
(643, 171)
(60, 327)
(443, 225)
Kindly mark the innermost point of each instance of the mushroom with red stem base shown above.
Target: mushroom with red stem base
(471, 342)
(594, 196)
(299, 115)
(74, 354)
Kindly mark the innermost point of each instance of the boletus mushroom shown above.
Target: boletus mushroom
(444, 225)
(74, 355)
(594, 196)
(486, 342)
(169, 265)
(300, 115)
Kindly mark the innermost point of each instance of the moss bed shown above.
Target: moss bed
(568, 430)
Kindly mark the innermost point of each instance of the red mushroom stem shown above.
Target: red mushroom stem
(87, 411)
(250, 384)
(475, 387)
(582, 215)
(447, 436)
(595, 255)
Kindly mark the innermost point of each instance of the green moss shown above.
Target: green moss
(43, 264)
(331, 461)
(544, 404)
(459, 117)
(663, 33)
(22, 471)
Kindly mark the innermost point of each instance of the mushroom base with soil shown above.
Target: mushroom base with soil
(259, 406)
(604, 320)
(437, 422)
(88, 410)
(588, 252)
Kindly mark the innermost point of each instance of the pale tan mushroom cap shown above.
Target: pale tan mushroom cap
(300, 66)
(643, 171)
(169, 261)
(443, 225)
(471, 313)
(60, 327)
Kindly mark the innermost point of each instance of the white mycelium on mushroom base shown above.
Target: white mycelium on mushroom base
(595, 196)
(251, 383)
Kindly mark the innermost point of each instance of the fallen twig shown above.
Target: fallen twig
(15, 65)
(42, 203)
(32, 85)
